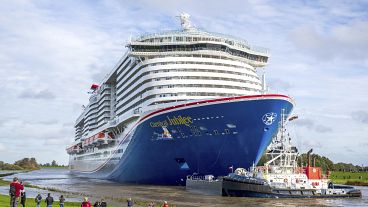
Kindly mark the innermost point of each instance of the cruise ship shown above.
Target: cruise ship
(177, 103)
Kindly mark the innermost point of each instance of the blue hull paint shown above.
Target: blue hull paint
(220, 135)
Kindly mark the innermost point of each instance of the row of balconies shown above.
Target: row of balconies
(189, 65)
(185, 38)
(254, 63)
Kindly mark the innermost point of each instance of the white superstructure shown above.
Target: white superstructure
(164, 69)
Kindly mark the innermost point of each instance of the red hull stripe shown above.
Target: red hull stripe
(213, 101)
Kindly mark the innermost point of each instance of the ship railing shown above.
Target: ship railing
(235, 46)
(206, 52)
(201, 177)
(278, 185)
(202, 34)
(195, 177)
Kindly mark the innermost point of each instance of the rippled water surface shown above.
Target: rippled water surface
(63, 180)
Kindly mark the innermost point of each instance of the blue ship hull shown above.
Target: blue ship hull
(207, 137)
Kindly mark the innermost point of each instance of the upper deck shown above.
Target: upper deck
(195, 41)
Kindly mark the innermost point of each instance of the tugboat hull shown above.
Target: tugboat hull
(256, 188)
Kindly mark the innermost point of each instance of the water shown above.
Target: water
(61, 179)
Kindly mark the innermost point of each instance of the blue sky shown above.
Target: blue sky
(51, 51)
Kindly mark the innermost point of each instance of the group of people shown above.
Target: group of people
(49, 200)
(130, 203)
(17, 193)
(86, 203)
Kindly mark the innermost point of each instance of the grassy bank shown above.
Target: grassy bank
(350, 178)
(4, 201)
(3, 182)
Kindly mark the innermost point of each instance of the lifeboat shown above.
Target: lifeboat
(101, 137)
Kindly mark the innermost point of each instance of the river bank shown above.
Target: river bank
(4, 201)
(350, 178)
(117, 193)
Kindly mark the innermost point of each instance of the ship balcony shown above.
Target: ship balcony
(105, 87)
(254, 63)
(101, 101)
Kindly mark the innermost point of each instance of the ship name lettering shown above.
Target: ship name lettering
(159, 124)
(179, 120)
(173, 121)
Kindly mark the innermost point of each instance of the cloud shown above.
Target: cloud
(305, 123)
(360, 116)
(322, 129)
(2, 147)
(61, 142)
(348, 149)
(54, 51)
(307, 144)
(311, 125)
(43, 94)
(279, 84)
(344, 41)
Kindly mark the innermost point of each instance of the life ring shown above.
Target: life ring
(285, 180)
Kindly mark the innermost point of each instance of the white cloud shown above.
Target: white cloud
(2, 147)
(346, 42)
(52, 51)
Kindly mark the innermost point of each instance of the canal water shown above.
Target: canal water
(61, 179)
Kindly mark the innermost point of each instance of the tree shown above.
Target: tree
(28, 164)
(54, 164)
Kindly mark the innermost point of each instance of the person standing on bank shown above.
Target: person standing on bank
(14, 192)
(61, 201)
(165, 204)
(49, 200)
(23, 198)
(130, 203)
(103, 203)
(38, 200)
(86, 203)
(97, 204)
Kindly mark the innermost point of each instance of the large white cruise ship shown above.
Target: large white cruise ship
(177, 103)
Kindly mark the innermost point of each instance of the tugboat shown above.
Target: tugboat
(280, 177)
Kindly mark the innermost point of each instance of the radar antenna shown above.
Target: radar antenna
(185, 22)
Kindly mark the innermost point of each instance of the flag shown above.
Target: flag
(293, 117)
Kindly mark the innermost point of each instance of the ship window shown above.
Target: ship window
(227, 131)
(231, 125)
(215, 132)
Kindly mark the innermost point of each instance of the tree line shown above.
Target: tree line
(324, 163)
(23, 164)
(27, 164)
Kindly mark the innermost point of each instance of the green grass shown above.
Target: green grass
(3, 182)
(350, 178)
(5, 200)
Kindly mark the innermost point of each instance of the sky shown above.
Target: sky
(52, 51)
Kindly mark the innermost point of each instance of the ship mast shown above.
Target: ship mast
(185, 22)
(280, 152)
